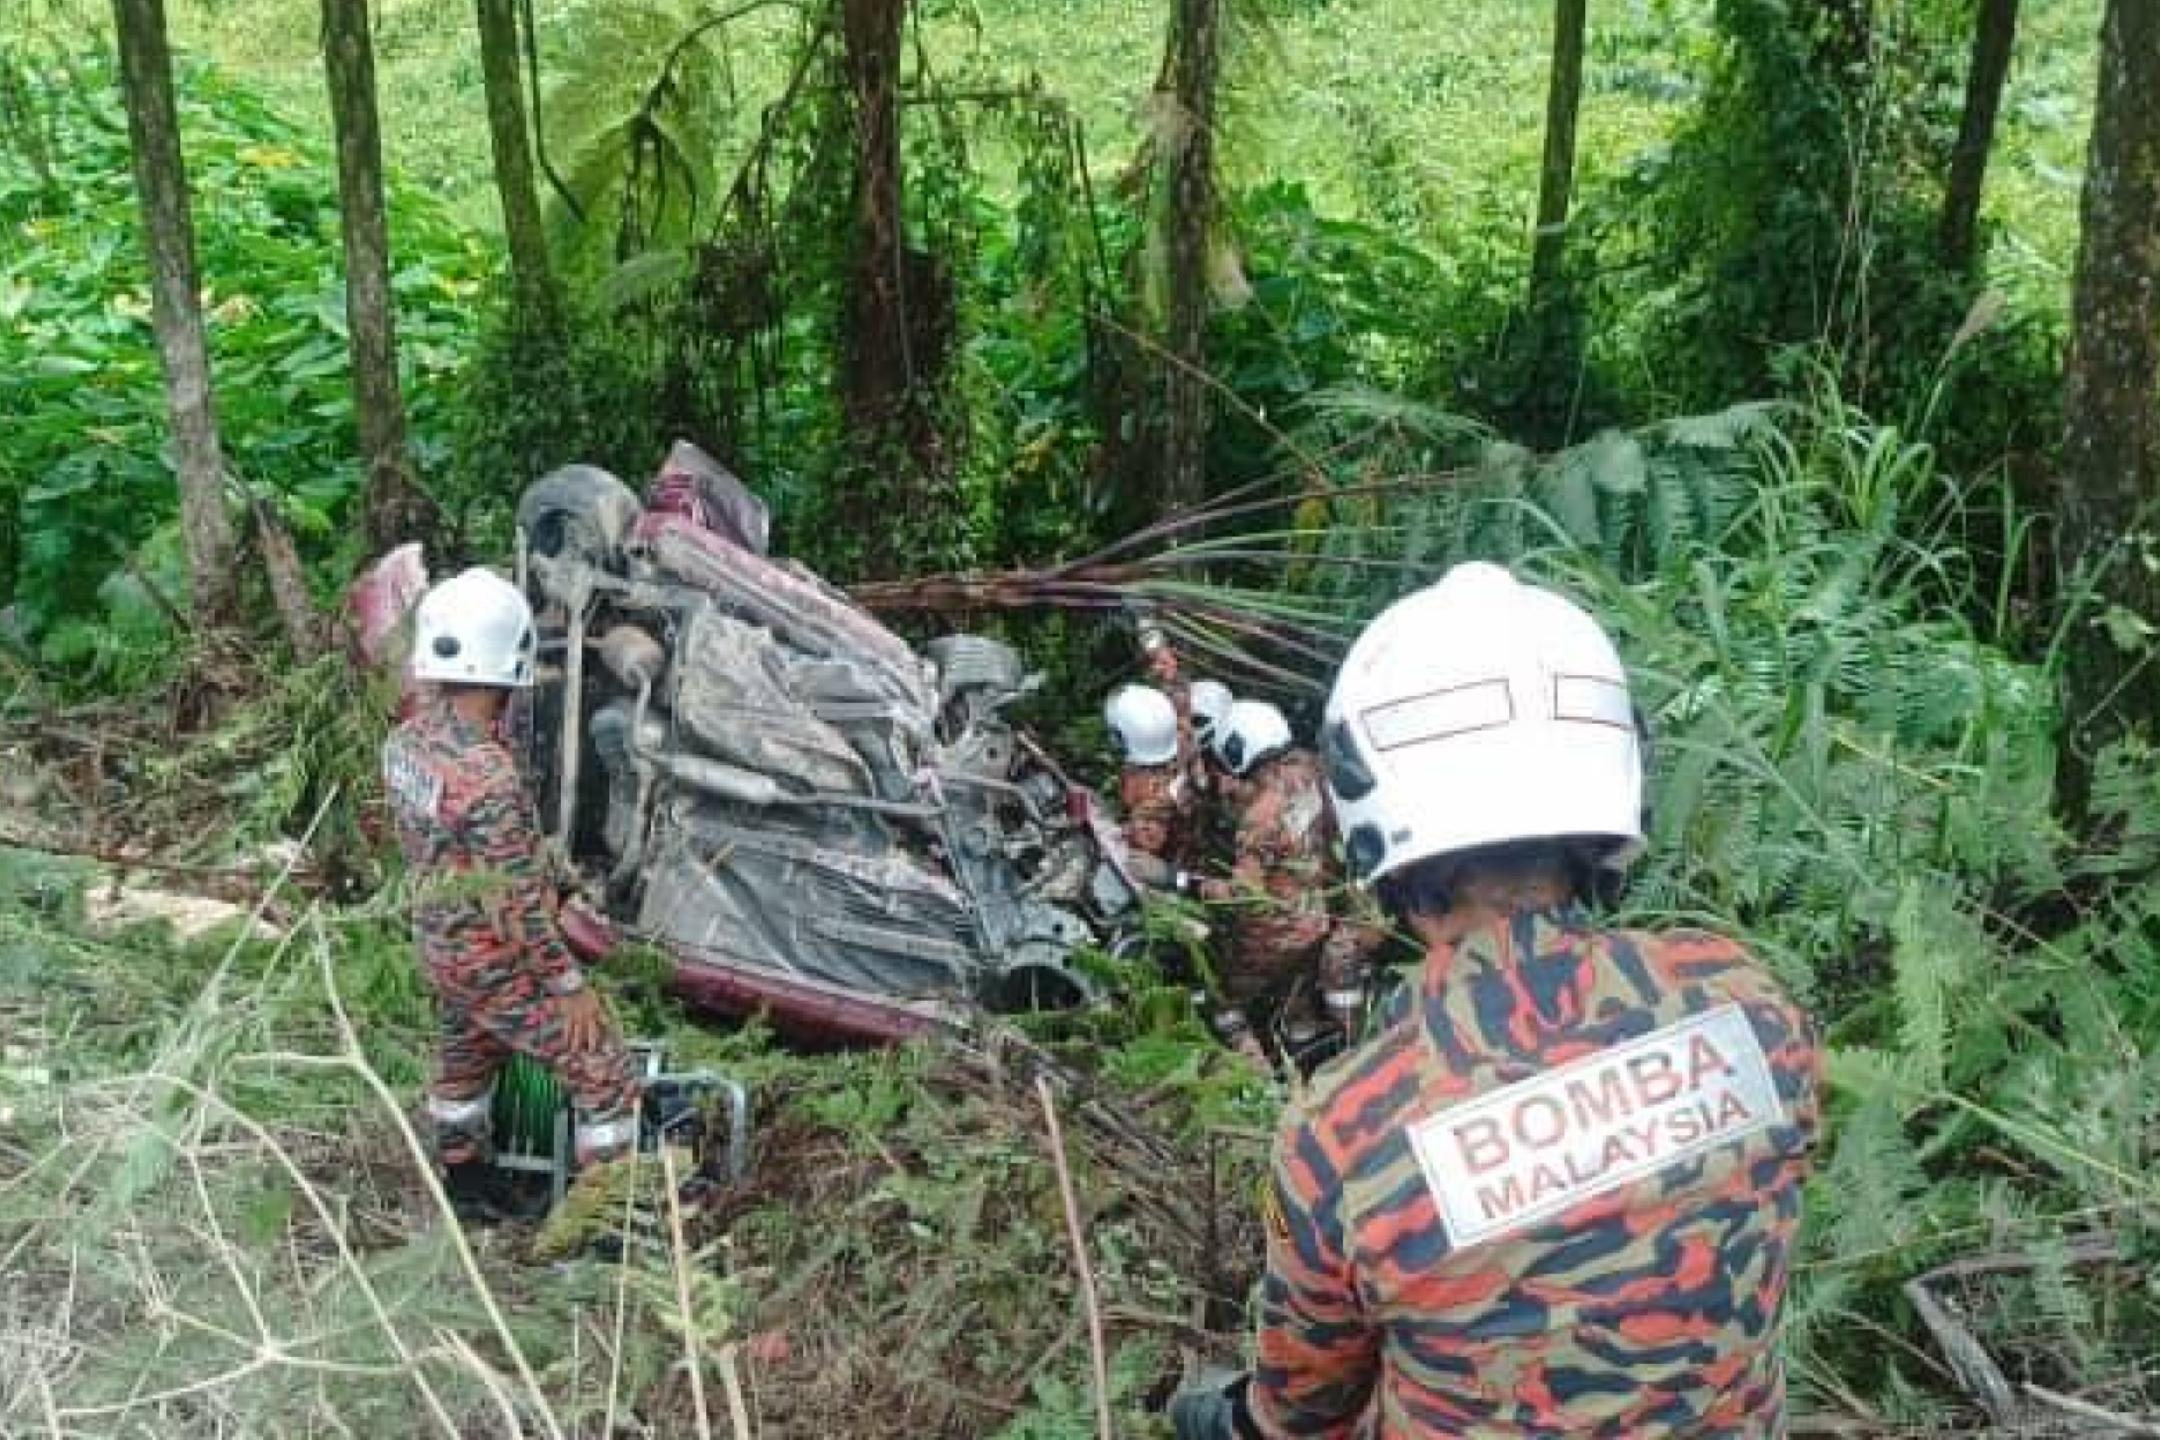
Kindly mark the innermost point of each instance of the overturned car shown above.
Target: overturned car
(813, 819)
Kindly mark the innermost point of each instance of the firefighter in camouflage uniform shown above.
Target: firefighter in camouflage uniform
(484, 911)
(1200, 705)
(1556, 1196)
(1155, 787)
(1286, 936)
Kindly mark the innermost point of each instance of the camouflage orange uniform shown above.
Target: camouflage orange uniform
(1207, 827)
(1557, 1197)
(1159, 812)
(484, 921)
(1281, 929)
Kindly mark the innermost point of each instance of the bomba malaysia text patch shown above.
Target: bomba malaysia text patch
(1506, 1160)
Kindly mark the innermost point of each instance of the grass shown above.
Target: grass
(1426, 117)
(217, 1219)
(1400, 111)
(2039, 161)
(427, 68)
(1357, 97)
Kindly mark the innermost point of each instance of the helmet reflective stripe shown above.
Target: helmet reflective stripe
(474, 629)
(1144, 724)
(1475, 712)
(460, 1110)
(1594, 699)
(1253, 731)
(1435, 717)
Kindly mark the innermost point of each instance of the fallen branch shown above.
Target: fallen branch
(2117, 1424)
(255, 881)
(679, 1253)
(731, 1382)
(2097, 1248)
(1097, 1351)
(288, 581)
(1975, 1369)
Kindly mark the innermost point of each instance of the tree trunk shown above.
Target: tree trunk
(877, 368)
(1556, 182)
(1196, 70)
(176, 306)
(2111, 400)
(897, 325)
(393, 506)
(532, 278)
(1995, 31)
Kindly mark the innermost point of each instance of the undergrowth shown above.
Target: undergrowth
(1853, 772)
(91, 568)
(212, 1201)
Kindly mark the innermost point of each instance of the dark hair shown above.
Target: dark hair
(1428, 887)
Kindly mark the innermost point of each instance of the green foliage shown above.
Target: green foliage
(1854, 774)
(1331, 302)
(1797, 192)
(640, 116)
(88, 546)
(1824, 614)
(1792, 223)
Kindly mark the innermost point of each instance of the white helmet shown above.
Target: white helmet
(474, 629)
(1145, 724)
(1478, 711)
(1251, 732)
(1209, 701)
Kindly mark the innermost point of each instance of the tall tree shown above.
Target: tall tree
(1195, 66)
(146, 84)
(876, 365)
(2111, 396)
(897, 321)
(532, 277)
(394, 507)
(1994, 33)
(1556, 180)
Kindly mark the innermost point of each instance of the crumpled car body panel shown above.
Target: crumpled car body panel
(815, 820)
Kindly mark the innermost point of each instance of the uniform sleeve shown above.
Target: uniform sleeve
(1319, 1353)
(505, 844)
(1188, 745)
(1354, 940)
(1258, 848)
(1149, 811)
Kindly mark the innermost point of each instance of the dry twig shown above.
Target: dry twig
(1086, 1270)
(679, 1254)
(2113, 1422)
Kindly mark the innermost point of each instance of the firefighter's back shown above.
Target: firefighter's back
(1570, 1182)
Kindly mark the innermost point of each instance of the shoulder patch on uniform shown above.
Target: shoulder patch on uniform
(412, 782)
(1531, 1150)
